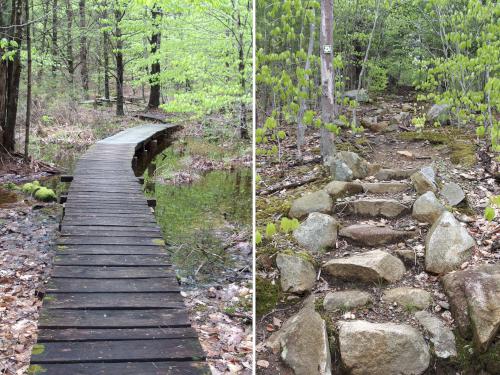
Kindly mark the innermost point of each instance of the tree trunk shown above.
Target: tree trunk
(43, 47)
(69, 41)
(28, 84)
(327, 79)
(119, 64)
(106, 64)
(300, 125)
(154, 93)
(241, 69)
(54, 36)
(84, 72)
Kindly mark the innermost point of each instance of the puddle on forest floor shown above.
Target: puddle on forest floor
(198, 219)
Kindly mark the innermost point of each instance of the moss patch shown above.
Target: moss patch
(45, 195)
(470, 361)
(36, 369)
(269, 207)
(460, 143)
(268, 295)
(38, 349)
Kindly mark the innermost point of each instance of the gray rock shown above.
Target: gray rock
(339, 170)
(448, 245)
(371, 235)
(371, 266)
(297, 274)
(362, 95)
(427, 208)
(406, 255)
(382, 349)
(452, 193)
(439, 112)
(394, 174)
(338, 189)
(474, 297)
(389, 208)
(441, 336)
(409, 297)
(345, 300)
(360, 167)
(317, 232)
(303, 342)
(424, 180)
(318, 201)
(385, 187)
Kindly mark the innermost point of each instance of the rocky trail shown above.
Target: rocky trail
(393, 269)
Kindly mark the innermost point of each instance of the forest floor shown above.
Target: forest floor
(397, 146)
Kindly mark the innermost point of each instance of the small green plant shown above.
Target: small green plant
(489, 212)
(258, 238)
(270, 230)
(418, 122)
(288, 225)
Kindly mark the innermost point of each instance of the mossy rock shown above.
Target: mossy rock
(45, 195)
(268, 295)
(30, 187)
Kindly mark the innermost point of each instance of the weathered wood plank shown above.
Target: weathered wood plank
(112, 318)
(105, 232)
(114, 301)
(116, 351)
(102, 240)
(112, 272)
(166, 285)
(106, 334)
(62, 259)
(130, 368)
(110, 249)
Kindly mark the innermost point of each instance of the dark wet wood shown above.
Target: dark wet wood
(113, 303)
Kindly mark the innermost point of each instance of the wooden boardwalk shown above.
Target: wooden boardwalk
(113, 304)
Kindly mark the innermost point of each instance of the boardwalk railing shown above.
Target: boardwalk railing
(113, 304)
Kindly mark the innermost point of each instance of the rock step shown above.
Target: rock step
(371, 235)
(388, 208)
(386, 174)
(339, 189)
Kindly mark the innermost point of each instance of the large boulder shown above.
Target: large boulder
(385, 187)
(442, 337)
(371, 235)
(382, 348)
(394, 174)
(318, 201)
(297, 273)
(416, 298)
(360, 95)
(346, 299)
(339, 170)
(447, 245)
(440, 113)
(452, 193)
(474, 297)
(303, 342)
(360, 167)
(389, 208)
(317, 232)
(372, 266)
(339, 189)
(427, 208)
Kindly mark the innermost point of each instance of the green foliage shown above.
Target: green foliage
(258, 238)
(288, 225)
(270, 230)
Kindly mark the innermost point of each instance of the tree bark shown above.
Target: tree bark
(69, 41)
(327, 79)
(154, 92)
(84, 72)
(241, 69)
(119, 64)
(105, 38)
(28, 84)
(54, 36)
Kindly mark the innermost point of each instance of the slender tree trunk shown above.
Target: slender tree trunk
(69, 41)
(300, 125)
(119, 65)
(43, 46)
(28, 84)
(84, 72)
(105, 38)
(327, 79)
(241, 69)
(54, 36)
(154, 93)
